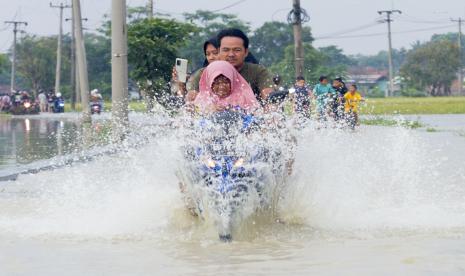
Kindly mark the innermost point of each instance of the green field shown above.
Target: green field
(375, 106)
(404, 105)
(133, 106)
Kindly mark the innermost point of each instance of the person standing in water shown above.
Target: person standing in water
(351, 105)
(324, 94)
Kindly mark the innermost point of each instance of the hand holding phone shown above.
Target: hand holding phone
(181, 69)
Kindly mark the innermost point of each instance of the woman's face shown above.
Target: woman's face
(211, 53)
(221, 87)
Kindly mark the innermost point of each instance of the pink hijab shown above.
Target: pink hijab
(241, 93)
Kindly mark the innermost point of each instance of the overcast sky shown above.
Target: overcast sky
(329, 19)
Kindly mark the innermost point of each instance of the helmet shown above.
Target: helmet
(58, 94)
(277, 79)
(94, 92)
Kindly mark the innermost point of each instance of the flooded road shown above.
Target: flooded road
(379, 201)
(27, 139)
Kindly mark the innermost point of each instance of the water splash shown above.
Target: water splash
(379, 181)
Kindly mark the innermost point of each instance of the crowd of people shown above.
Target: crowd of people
(216, 86)
(19, 102)
(22, 102)
(232, 78)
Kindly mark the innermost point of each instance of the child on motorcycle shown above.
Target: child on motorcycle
(352, 100)
(222, 87)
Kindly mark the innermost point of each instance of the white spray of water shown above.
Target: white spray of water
(376, 179)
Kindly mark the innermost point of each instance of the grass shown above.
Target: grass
(404, 105)
(138, 106)
(379, 121)
(373, 106)
(431, 129)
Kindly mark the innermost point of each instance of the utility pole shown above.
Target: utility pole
(13, 63)
(60, 35)
(460, 21)
(81, 62)
(74, 77)
(388, 19)
(296, 17)
(150, 9)
(119, 69)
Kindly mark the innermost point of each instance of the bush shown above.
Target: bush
(376, 92)
(412, 92)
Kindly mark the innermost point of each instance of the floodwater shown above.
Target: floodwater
(378, 201)
(27, 139)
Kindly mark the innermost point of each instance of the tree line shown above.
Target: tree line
(155, 43)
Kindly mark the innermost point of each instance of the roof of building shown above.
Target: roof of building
(366, 79)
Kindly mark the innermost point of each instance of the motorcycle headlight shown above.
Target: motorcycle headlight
(239, 162)
(27, 104)
(210, 163)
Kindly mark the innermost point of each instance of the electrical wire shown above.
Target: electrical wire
(277, 11)
(5, 28)
(413, 19)
(351, 30)
(230, 6)
(168, 12)
(384, 33)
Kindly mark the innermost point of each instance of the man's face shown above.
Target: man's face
(337, 83)
(324, 81)
(233, 51)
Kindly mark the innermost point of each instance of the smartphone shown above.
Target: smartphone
(181, 69)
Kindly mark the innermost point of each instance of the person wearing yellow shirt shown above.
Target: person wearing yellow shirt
(352, 101)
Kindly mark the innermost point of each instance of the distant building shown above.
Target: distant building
(370, 83)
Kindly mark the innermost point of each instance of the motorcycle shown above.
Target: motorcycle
(59, 105)
(226, 175)
(96, 107)
(26, 107)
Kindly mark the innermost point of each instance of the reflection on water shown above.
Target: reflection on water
(27, 139)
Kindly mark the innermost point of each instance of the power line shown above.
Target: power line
(380, 34)
(351, 30)
(276, 12)
(230, 6)
(413, 19)
(419, 21)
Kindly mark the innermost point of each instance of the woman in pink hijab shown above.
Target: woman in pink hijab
(222, 87)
